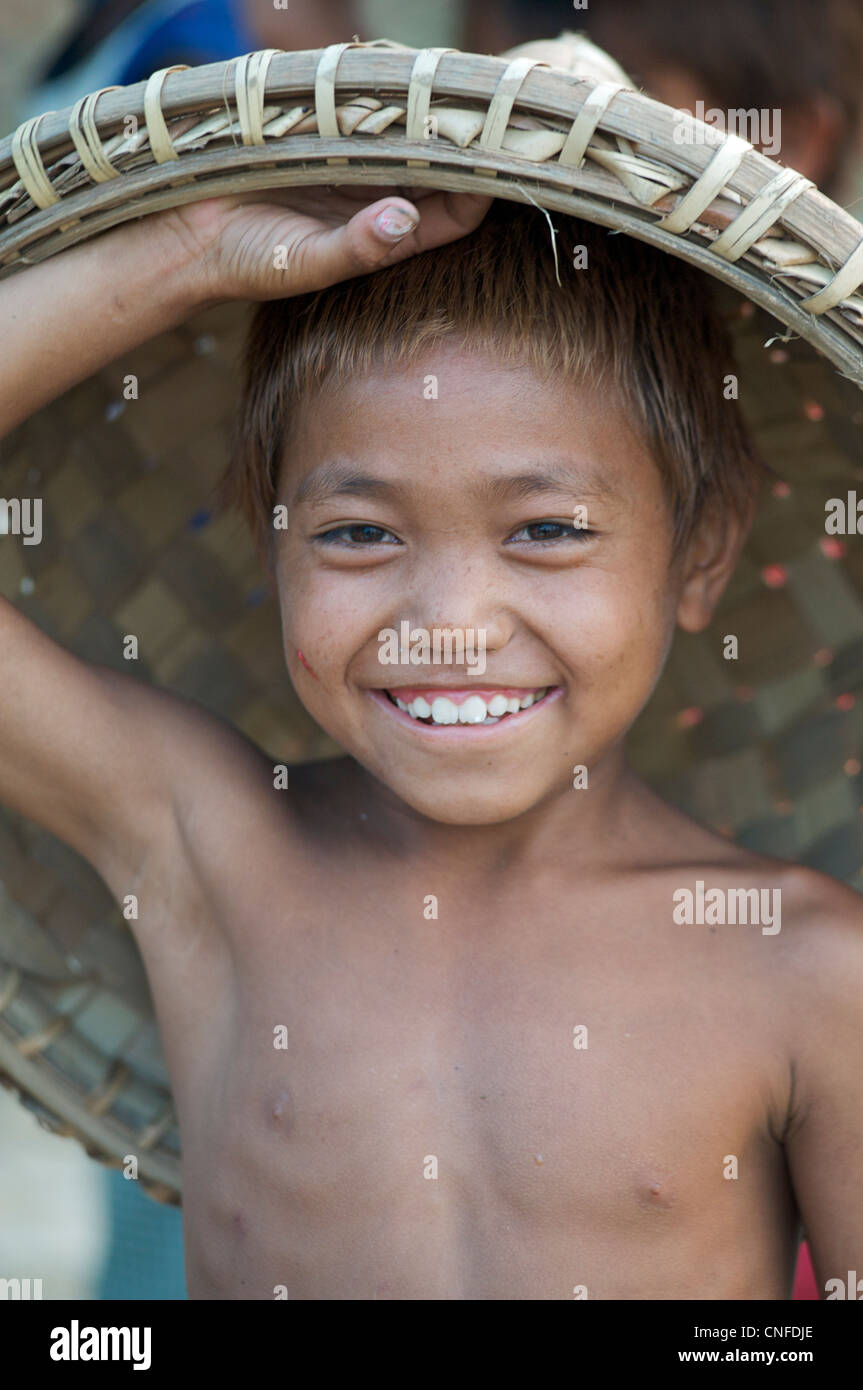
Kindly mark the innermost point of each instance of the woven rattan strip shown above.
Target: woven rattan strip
(85, 134)
(28, 162)
(500, 108)
(847, 279)
(586, 123)
(250, 88)
(157, 128)
(100, 1102)
(37, 1042)
(420, 92)
(325, 90)
(693, 205)
(763, 212)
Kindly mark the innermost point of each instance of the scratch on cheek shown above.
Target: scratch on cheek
(306, 664)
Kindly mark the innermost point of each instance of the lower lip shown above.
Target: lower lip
(460, 732)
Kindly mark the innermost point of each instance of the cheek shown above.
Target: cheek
(618, 629)
(313, 604)
(323, 628)
(305, 637)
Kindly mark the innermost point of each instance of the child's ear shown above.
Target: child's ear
(707, 565)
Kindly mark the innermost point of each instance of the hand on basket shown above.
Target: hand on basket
(280, 242)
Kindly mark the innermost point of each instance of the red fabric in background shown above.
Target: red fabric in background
(804, 1279)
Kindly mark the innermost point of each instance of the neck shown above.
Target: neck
(571, 831)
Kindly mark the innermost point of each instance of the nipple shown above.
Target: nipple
(656, 1192)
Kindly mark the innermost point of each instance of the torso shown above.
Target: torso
(431, 1131)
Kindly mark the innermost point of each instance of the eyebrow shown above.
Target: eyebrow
(346, 479)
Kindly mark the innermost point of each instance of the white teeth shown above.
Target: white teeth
(473, 711)
(443, 711)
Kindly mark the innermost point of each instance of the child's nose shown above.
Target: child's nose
(493, 627)
(462, 596)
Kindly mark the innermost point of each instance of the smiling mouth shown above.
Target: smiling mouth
(465, 707)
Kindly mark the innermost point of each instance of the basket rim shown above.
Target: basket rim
(703, 186)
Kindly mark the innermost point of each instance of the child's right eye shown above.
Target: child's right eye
(360, 534)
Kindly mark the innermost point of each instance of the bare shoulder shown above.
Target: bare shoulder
(822, 927)
(816, 922)
(210, 779)
(807, 946)
(240, 809)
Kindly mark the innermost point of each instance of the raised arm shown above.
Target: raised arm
(89, 754)
(67, 317)
(74, 740)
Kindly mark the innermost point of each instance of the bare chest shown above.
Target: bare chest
(375, 1119)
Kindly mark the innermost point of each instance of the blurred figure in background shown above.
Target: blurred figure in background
(123, 41)
(735, 55)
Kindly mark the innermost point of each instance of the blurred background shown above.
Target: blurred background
(87, 1232)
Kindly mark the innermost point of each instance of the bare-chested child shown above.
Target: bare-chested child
(512, 1072)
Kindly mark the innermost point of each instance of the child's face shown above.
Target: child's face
(457, 512)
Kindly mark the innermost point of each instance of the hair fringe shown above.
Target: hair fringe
(635, 318)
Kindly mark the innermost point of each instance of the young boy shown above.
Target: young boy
(513, 1071)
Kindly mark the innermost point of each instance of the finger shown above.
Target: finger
(366, 241)
(443, 217)
(446, 217)
(387, 231)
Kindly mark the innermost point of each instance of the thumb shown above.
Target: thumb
(374, 237)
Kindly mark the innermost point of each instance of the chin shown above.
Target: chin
(459, 806)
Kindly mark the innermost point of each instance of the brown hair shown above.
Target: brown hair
(633, 316)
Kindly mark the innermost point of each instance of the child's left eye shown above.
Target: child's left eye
(551, 531)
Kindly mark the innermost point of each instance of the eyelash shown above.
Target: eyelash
(570, 532)
(577, 533)
(334, 537)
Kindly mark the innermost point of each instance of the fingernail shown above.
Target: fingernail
(395, 222)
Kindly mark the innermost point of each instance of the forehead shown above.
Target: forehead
(462, 418)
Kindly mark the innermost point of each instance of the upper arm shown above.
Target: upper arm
(92, 755)
(824, 1143)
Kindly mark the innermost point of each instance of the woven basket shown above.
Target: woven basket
(765, 748)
